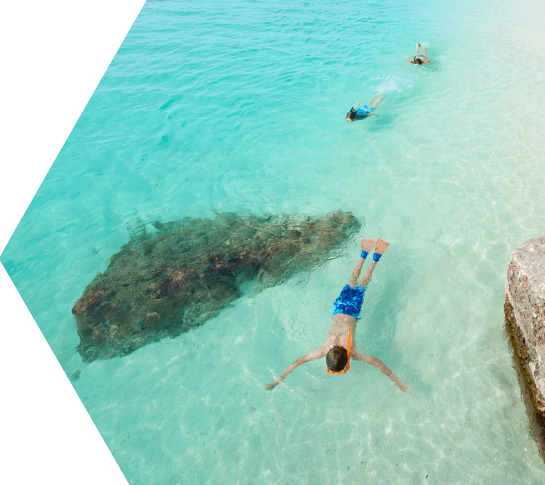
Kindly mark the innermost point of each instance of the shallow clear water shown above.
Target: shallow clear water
(239, 106)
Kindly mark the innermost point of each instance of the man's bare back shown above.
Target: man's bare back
(346, 309)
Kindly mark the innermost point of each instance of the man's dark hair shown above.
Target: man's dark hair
(417, 60)
(351, 114)
(336, 359)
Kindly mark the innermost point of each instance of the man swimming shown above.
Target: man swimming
(340, 343)
(356, 113)
(419, 58)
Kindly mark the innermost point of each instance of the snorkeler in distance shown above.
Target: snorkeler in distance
(356, 113)
(340, 345)
(419, 58)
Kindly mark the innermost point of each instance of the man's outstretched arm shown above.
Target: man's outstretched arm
(316, 354)
(380, 365)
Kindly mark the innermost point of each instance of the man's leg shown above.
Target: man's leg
(366, 245)
(380, 248)
(374, 103)
(372, 100)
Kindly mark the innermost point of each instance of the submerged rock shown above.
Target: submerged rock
(167, 282)
(525, 324)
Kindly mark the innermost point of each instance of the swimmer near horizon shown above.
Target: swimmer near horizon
(356, 113)
(419, 57)
(340, 346)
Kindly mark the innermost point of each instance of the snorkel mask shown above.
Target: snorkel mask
(346, 369)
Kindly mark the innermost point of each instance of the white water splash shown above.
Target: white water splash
(388, 84)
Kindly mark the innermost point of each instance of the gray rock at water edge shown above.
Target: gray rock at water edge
(525, 325)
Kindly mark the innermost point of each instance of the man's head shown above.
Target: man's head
(417, 60)
(337, 358)
(351, 115)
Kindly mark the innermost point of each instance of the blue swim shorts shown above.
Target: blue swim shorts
(349, 302)
(365, 110)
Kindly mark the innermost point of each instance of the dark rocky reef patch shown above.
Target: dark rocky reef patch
(166, 282)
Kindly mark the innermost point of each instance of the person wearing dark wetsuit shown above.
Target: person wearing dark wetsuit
(419, 58)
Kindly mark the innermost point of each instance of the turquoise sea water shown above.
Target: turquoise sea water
(239, 106)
